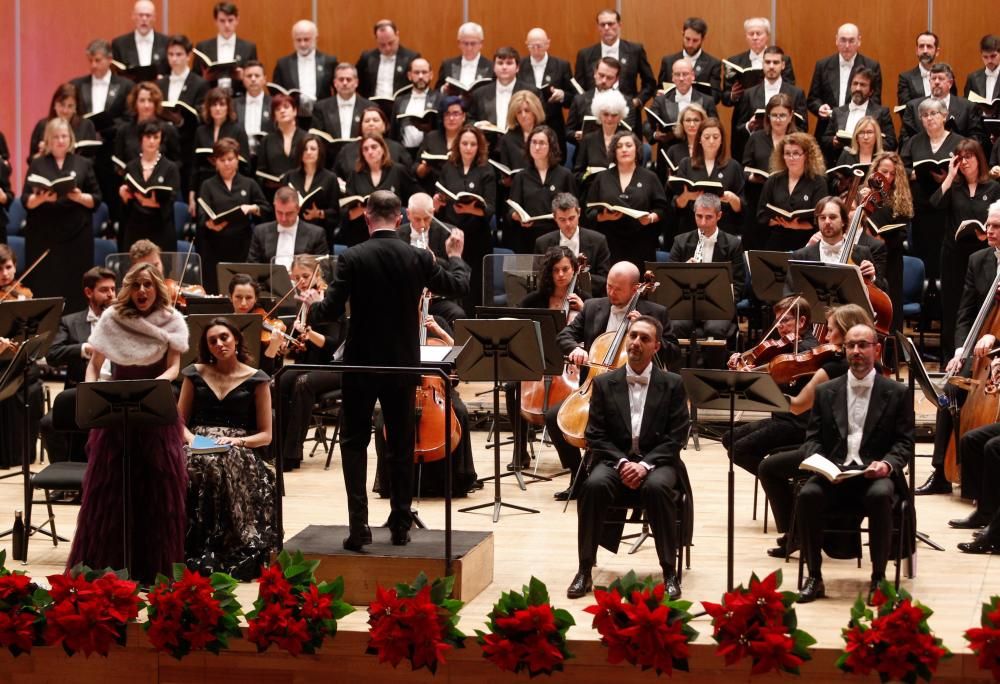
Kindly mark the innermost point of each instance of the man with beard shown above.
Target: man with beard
(846, 117)
(917, 81)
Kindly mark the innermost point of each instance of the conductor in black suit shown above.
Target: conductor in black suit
(143, 46)
(382, 70)
(708, 244)
(831, 82)
(706, 68)
(566, 213)
(860, 421)
(286, 236)
(638, 425)
(600, 315)
(383, 278)
(635, 80)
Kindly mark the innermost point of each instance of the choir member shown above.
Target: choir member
(709, 162)
(796, 183)
(704, 67)
(307, 69)
(779, 120)
(383, 70)
(316, 184)
(832, 76)
(149, 215)
(219, 120)
(757, 31)
(535, 187)
(226, 46)
(144, 46)
(373, 170)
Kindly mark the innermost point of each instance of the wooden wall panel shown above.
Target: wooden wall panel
(961, 25)
(8, 94)
(271, 30)
(807, 31)
(345, 28)
(508, 23)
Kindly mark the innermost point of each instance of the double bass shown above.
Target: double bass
(607, 353)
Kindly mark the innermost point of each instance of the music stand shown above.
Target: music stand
(828, 285)
(768, 274)
(216, 306)
(498, 351)
(248, 324)
(732, 391)
(273, 281)
(125, 403)
(550, 322)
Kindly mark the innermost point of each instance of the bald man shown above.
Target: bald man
(415, 102)
(143, 46)
(552, 77)
(831, 83)
(307, 69)
(383, 69)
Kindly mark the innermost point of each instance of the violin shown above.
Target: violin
(179, 292)
(271, 327)
(763, 352)
(786, 368)
(16, 291)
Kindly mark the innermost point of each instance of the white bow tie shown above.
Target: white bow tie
(637, 379)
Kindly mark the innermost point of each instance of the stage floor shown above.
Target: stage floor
(953, 584)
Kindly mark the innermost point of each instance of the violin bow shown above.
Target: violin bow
(180, 279)
(13, 286)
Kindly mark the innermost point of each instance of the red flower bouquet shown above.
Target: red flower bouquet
(897, 643)
(416, 622)
(983, 641)
(18, 613)
(760, 623)
(191, 612)
(292, 611)
(640, 626)
(525, 632)
(88, 610)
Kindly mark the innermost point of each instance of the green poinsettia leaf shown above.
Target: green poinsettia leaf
(563, 617)
(538, 593)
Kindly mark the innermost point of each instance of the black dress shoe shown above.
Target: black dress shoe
(935, 484)
(358, 538)
(581, 585)
(565, 495)
(979, 545)
(400, 537)
(525, 464)
(781, 552)
(974, 521)
(812, 590)
(672, 585)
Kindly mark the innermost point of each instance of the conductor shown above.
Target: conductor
(383, 278)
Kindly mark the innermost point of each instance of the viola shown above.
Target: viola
(763, 352)
(14, 292)
(786, 368)
(271, 327)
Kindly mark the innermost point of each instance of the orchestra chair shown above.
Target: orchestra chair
(499, 289)
(101, 221)
(103, 248)
(914, 288)
(16, 216)
(181, 218)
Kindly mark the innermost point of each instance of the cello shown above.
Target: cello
(429, 416)
(607, 353)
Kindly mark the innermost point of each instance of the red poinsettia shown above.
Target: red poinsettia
(292, 610)
(759, 622)
(526, 633)
(640, 627)
(18, 611)
(87, 610)
(415, 622)
(984, 641)
(897, 643)
(191, 612)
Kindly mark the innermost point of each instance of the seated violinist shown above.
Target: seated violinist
(146, 252)
(243, 294)
(755, 440)
(833, 221)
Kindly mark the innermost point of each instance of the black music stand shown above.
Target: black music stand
(273, 281)
(125, 403)
(918, 376)
(498, 351)
(732, 391)
(828, 285)
(768, 274)
(248, 324)
(696, 292)
(216, 306)
(550, 322)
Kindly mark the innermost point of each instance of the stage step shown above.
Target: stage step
(383, 564)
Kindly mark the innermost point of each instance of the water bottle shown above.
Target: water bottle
(17, 551)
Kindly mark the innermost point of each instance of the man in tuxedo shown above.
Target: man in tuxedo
(226, 46)
(253, 107)
(416, 100)
(605, 76)
(668, 104)
(985, 82)
(307, 69)
(490, 103)
(426, 232)
(638, 425)
(470, 65)
(143, 46)
(566, 213)
(846, 117)
(704, 245)
(744, 113)
(860, 421)
(635, 80)
(831, 79)
(183, 85)
(340, 116)
(383, 278)
(280, 240)
(832, 220)
(964, 117)
(758, 36)
(383, 70)
(552, 77)
(70, 349)
(704, 67)
(600, 315)
(916, 82)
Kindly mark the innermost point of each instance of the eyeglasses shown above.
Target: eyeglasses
(866, 134)
(860, 344)
(794, 154)
(454, 113)
(927, 115)
(778, 115)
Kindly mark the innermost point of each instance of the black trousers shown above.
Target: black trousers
(775, 473)
(298, 392)
(873, 497)
(603, 488)
(754, 441)
(980, 452)
(569, 455)
(396, 396)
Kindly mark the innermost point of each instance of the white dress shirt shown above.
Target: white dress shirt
(144, 46)
(99, 92)
(925, 76)
(253, 113)
(616, 317)
(611, 50)
(346, 110)
(707, 246)
(285, 249)
(991, 82)
(539, 70)
(176, 85)
(682, 100)
(573, 243)
(638, 387)
(845, 79)
(504, 93)
(306, 67)
(854, 114)
(771, 89)
(468, 74)
(420, 238)
(756, 59)
(386, 73)
(859, 393)
(417, 104)
(830, 254)
(225, 51)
